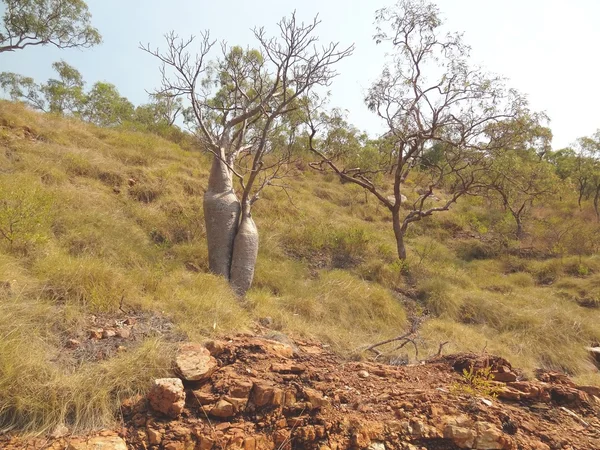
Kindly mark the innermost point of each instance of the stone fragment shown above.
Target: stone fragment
(288, 368)
(96, 333)
(59, 431)
(167, 396)
(491, 438)
(194, 362)
(241, 389)
(124, 333)
(154, 436)
(315, 398)
(99, 443)
(262, 393)
(73, 344)
(106, 334)
(215, 347)
(223, 409)
(363, 374)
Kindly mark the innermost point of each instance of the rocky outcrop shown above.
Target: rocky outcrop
(265, 395)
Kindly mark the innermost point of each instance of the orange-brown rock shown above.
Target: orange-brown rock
(194, 362)
(167, 396)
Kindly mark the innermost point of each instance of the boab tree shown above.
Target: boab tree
(62, 23)
(437, 110)
(241, 105)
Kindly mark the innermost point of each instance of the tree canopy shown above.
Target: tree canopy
(62, 23)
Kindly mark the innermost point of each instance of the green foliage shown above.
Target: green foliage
(65, 96)
(105, 107)
(477, 383)
(62, 23)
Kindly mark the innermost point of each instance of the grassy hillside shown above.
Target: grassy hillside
(108, 223)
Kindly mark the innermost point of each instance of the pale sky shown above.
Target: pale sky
(547, 48)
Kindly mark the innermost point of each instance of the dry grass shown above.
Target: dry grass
(125, 222)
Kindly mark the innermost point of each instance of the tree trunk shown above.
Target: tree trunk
(399, 231)
(596, 199)
(221, 215)
(245, 252)
(520, 233)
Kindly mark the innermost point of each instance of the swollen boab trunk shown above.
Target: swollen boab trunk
(245, 252)
(221, 215)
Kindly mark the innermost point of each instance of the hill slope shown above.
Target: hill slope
(108, 226)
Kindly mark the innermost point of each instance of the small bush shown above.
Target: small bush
(437, 295)
(520, 279)
(24, 212)
(547, 272)
(474, 249)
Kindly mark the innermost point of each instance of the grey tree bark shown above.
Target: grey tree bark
(245, 252)
(221, 215)
(232, 242)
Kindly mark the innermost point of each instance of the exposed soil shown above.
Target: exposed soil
(269, 395)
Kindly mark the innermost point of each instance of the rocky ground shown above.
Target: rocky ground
(253, 393)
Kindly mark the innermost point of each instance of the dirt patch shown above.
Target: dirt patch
(101, 337)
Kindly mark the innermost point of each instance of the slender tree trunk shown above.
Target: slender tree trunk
(519, 233)
(245, 252)
(596, 199)
(221, 215)
(399, 231)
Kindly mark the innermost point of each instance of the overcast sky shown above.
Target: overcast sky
(547, 48)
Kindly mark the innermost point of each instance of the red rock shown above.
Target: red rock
(504, 377)
(315, 398)
(223, 409)
(288, 368)
(215, 347)
(241, 389)
(205, 398)
(154, 436)
(194, 362)
(167, 396)
(263, 394)
(98, 443)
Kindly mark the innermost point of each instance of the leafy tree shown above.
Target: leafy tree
(105, 107)
(520, 179)
(20, 88)
(162, 111)
(63, 96)
(434, 103)
(587, 169)
(62, 23)
(245, 110)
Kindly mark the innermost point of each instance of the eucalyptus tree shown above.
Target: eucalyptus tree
(63, 95)
(243, 108)
(62, 23)
(432, 101)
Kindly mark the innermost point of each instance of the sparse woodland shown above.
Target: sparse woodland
(239, 194)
